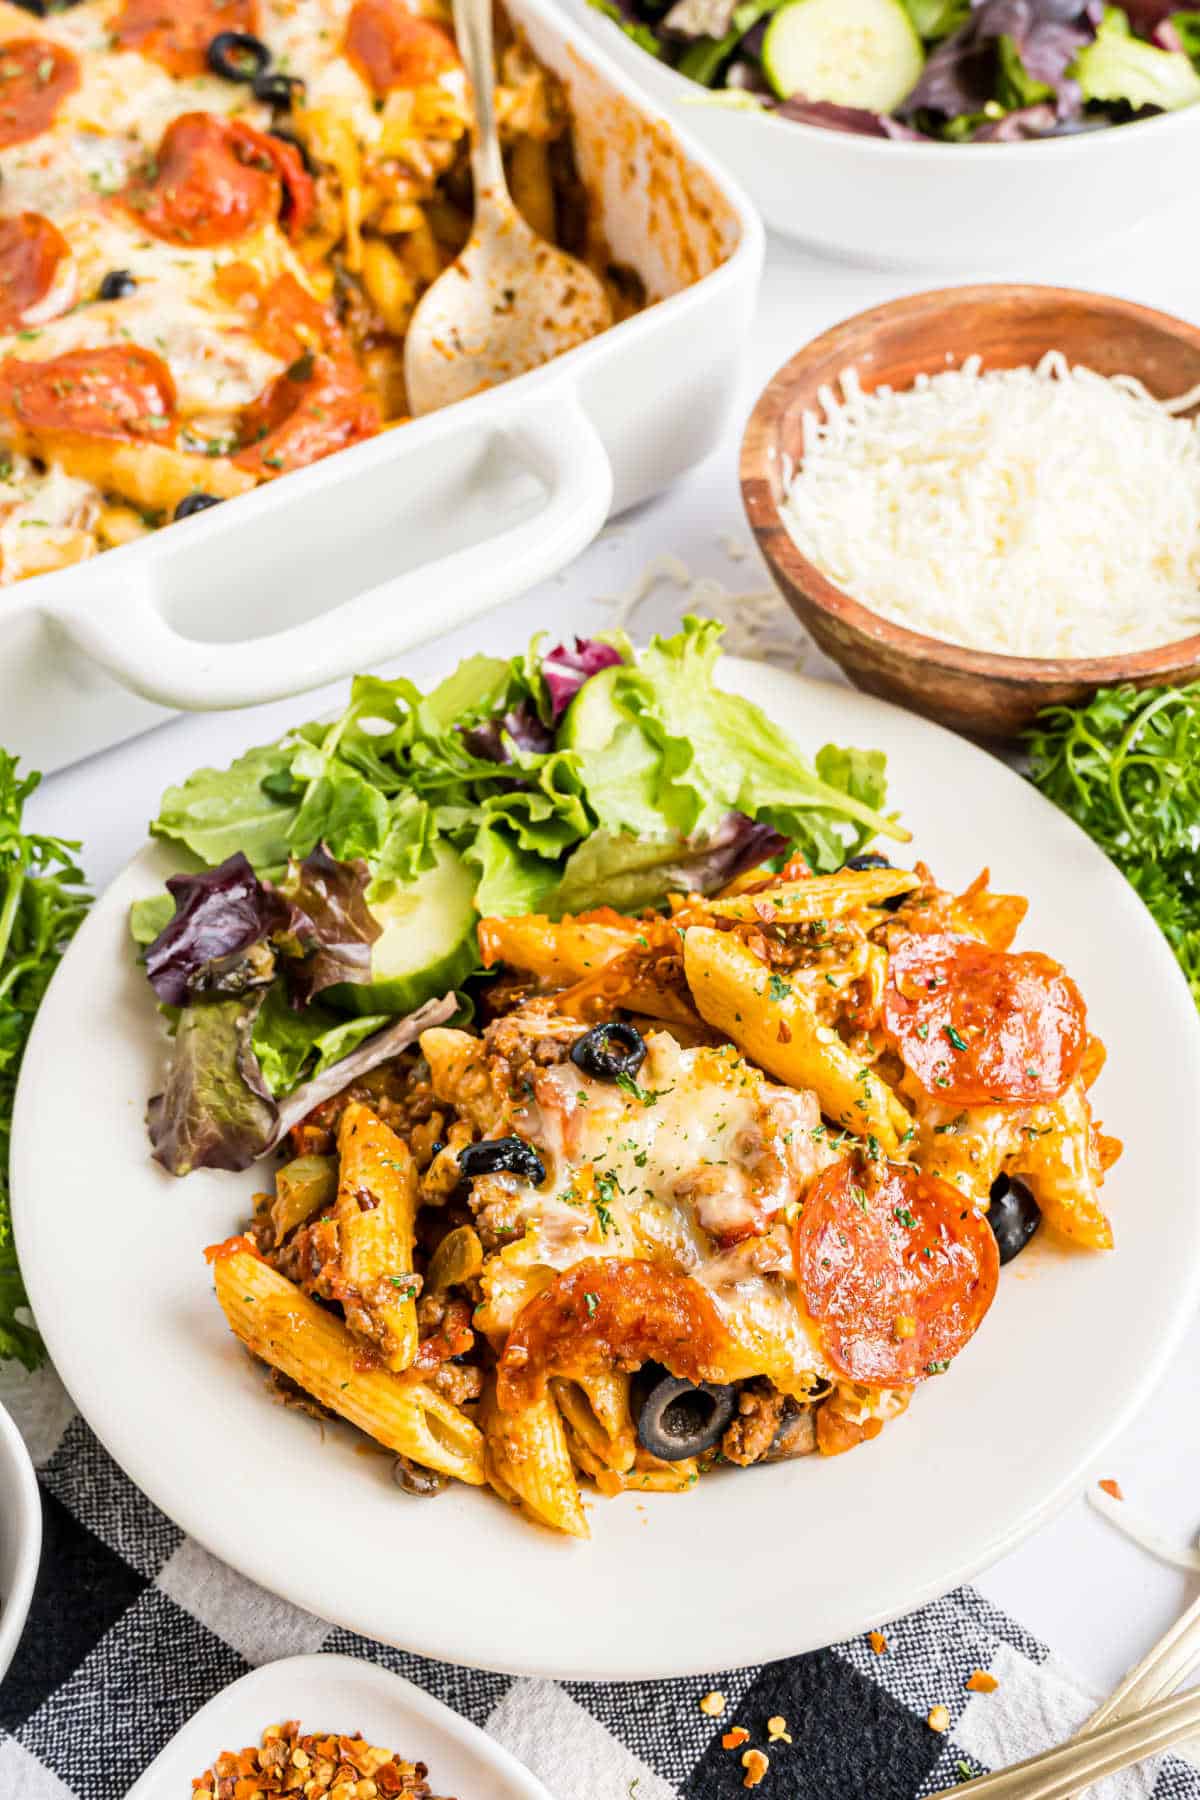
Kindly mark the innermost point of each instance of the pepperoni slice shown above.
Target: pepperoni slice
(35, 78)
(31, 249)
(976, 1025)
(320, 403)
(895, 1267)
(120, 391)
(611, 1312)
(394, 48)
(176, 33)
(216, 179)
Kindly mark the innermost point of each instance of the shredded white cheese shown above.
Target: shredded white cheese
(1045, 511)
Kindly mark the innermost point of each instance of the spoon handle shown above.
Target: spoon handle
(1057, 1774)
(473, 30)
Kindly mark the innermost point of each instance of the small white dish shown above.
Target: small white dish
(20, 1537)
(341, 1694)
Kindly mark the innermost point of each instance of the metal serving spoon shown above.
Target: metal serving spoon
(511, 301)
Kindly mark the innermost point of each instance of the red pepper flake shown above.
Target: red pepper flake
(980, 1682)
(877, 1642)
(735, 1736)
(1113, 1488)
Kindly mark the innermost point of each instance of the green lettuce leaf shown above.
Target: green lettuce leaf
(1116, 65)
(511, 880)
(217, 812)
(292, 1046)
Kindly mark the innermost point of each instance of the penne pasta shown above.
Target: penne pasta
(304, 1341)
(527, 1456)
(781, 1032)
(376, 1210)
(816, 897)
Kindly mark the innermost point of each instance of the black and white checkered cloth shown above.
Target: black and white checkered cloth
(134, 1626)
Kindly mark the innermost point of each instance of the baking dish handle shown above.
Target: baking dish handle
(129, 634)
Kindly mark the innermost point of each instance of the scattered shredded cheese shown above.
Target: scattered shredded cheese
(1045, 511)
(758, 622)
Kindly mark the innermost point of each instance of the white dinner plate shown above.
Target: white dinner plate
(337, 1694)
(752, 1564)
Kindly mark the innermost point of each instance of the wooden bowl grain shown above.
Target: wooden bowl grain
(976, 692)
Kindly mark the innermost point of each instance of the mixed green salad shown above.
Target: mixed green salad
(957, 71)
(43, 899)
(335, 878)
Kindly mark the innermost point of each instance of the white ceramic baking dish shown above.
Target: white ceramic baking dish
(415, 532)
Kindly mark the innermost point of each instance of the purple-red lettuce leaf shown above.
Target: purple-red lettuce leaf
(520, 728)
(331, 930)
(568, 666)
(216, 1111)
(1021, 46)
(853, 119)
(220, 915)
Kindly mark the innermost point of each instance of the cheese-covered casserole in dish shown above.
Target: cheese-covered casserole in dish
(216, 218)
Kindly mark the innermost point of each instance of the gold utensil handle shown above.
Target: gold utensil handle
(1159, 1673)
(1057, 1774)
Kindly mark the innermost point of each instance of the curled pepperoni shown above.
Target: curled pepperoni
(320, 403)
(896, 1268)
(976, 1025)
(216, 179)
(119, 391)
(392, 47)
(31, 248)
(35, 78)
(176, 33)
(609, 1312)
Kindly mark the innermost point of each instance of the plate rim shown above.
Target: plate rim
(559, 1660)
(495, 1758)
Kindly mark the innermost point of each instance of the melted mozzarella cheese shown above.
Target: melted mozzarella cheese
(689, 1172)
(43, 515)
(217, 364)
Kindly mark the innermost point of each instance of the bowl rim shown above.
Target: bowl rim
(1079, 144)
(787, 561)
(17, 1474)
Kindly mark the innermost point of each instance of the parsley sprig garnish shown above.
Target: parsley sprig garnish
(43, 900)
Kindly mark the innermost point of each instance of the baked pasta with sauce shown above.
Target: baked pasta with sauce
(216, 219)
(721, 1185)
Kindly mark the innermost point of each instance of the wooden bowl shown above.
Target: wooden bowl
(974, 691)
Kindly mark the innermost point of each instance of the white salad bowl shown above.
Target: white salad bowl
(963, 207)
(394, 541)
(20, 1537)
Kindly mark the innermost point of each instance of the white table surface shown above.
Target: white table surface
(1095, 1597)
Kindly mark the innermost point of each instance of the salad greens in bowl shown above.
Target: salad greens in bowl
(334, 880)
(956, 71)
(944, 134)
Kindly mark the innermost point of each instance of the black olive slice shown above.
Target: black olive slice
(796, 1434)
(871, 859)
(288, 137)
(1013, 1214)
(678, 1419)
(495, 1155)
(195, 503)
(118, 284)
(414, 1478)
(237, 56)
(277, 90)
(607, 1051)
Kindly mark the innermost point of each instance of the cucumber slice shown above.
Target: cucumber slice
(593, 715)
(861, 53)
(428, 944)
